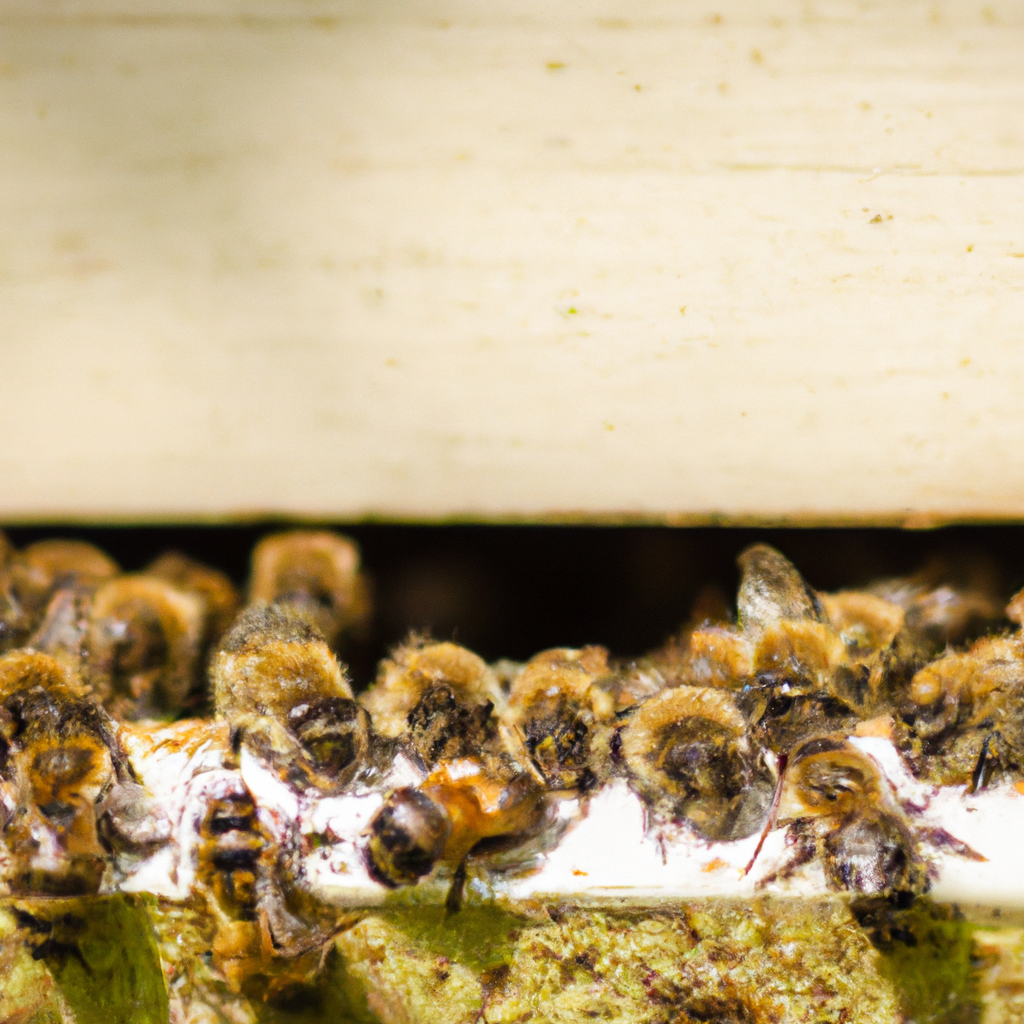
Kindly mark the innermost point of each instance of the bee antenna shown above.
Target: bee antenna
(773, 812)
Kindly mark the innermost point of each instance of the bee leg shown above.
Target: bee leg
(773, 812)
(985, 766)
(453, 902)
(805, 849)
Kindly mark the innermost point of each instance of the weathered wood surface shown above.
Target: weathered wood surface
(512, 260)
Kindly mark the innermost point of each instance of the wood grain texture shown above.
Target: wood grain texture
(715, 261)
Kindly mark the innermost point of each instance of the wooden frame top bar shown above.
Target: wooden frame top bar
(712, 262)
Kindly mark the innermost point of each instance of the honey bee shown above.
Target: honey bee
(688, 752)
(465, 806)
(947, 602)
(143, 646)
(286, 695)
(840, 810)
(59, 758)
(220, 598)
(819, 663)
(30, 579)
(553, 709)
(317, 572)
(235, 849)
(1015, 609)
(964, 713)
(783, 654)
(438, 698)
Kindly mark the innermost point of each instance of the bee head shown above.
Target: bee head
(438, 698)
(555, 705)
(407, 837)
(333, 735)
(829, 777)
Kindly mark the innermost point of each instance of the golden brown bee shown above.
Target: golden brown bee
(455, 811)
(688, 753)
(31, 578)
(220, 598)
(143, 646)
(783, 652)
(439, 698)
(286, 696)
(807, 678)
(234, 850)
(965, 713)
(946, 602)
(840, 809)
(554, 707)
(317, 571)
(58, 759)
(1015, 609)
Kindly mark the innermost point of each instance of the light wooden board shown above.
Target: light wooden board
(695, 261)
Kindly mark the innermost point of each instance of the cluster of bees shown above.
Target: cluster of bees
(738, 725)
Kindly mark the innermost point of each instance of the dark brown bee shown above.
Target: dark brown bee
(286, 696)
(144, 646)
(317, 572)
(553, 710)
(687, 751)
(59, 758)
(437, 697)
(455, 811)
(840, 810)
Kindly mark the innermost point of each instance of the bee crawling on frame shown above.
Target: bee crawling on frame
(842, 813)
(466, 807)
(963, 718)
(437, 700)
(554, 711)
(69, 803)
(288, 701)
(688, 753)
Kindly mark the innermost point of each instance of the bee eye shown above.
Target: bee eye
(407, 837)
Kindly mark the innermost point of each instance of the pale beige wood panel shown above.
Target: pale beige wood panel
(421, 260)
